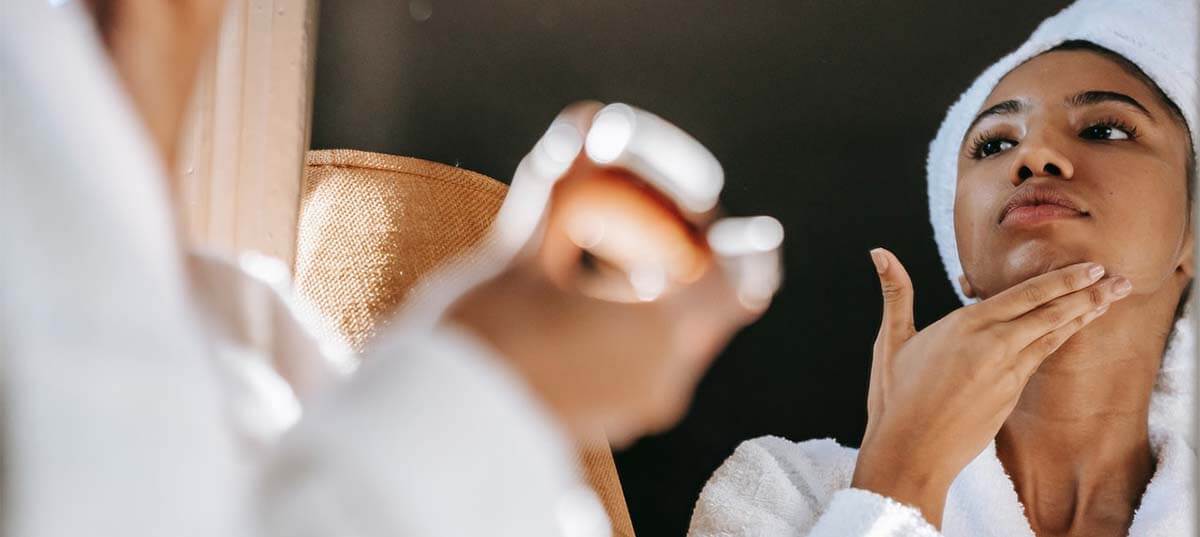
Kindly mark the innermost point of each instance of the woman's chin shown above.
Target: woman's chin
(1028, 260)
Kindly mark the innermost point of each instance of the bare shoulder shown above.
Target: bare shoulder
(771, 481)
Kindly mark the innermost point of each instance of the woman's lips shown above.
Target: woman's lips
(1032, 215)
(1035, 204)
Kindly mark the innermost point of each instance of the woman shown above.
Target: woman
(1059, 403)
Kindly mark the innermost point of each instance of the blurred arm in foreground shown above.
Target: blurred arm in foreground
(145, 390)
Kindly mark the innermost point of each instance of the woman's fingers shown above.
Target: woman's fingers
(1036, 352)
(1039, 290)
(897, 325)
(1064, 312)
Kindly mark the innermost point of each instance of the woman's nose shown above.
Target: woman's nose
(1041, 159)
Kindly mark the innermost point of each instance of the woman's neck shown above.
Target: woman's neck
(1077, 444)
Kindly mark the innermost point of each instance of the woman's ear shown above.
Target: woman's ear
(966, 286)
(1187, 257)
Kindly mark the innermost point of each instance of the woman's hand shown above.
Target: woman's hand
(626, 369)
(601, 348)
(938, 396)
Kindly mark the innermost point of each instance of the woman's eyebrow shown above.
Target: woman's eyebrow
(1008, 107)
(1085, 98)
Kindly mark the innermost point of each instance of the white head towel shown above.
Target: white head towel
(1160, 37)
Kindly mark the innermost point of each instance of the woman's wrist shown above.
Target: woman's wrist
(905, 480)
(498, 312)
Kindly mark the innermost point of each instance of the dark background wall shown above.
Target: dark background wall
(821, 112)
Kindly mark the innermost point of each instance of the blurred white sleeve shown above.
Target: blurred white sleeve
(772, 487)
(432, 436)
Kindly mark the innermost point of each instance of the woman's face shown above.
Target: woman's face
(1073, 158)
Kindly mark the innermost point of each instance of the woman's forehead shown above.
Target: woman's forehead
(1054, 77)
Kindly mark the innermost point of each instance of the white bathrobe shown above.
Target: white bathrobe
(146, 392)
(772, 487)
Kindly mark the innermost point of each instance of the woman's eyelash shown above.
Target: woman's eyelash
(1115, 123)
(976, 147)
(978, 141)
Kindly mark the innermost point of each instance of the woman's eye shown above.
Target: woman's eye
(1105, 132)
(991, 147)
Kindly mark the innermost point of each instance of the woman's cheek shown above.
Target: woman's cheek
(974, 229)
(1134, 235)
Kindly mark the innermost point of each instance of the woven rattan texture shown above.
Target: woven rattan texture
(371, 225)
(596, 458)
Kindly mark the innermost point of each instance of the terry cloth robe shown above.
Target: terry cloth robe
(149, 392)
(771, 487)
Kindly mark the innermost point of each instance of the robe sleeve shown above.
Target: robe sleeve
(771, 487)
(433, 435)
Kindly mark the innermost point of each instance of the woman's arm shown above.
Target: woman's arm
(434, 436)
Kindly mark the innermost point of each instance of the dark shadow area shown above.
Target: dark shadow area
(820, 111)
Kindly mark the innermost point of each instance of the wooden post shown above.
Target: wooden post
(241, 160)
